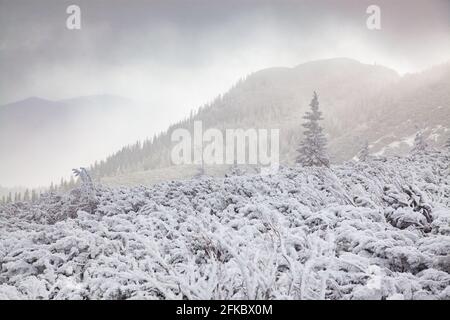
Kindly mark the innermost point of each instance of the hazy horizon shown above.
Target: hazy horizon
(194, 107)
(224, 150)
(148, 50)
(174, 56)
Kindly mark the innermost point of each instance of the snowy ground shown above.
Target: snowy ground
(375, 230)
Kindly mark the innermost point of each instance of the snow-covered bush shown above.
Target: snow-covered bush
(377, 229)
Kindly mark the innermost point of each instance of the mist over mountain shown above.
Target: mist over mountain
(42, 140)
(224, 150)
(360, 103)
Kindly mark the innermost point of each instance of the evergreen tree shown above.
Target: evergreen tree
(363, 154)
(9, 199)
(420, 143)
(312, 151)
(26, 195)
(33, 195)
(87, 187)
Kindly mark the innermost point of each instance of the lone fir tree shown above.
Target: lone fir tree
(312, 149)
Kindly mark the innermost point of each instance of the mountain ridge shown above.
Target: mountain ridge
(353, 97)
(359, 101)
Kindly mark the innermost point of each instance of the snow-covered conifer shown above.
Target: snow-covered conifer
(26, 195)
(420, 143)
(87, 187)
(363, 154)
(312, 151)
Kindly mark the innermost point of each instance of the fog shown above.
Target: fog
(174, 56)
(150, 50)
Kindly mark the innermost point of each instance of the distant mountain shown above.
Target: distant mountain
(41, 140)
(360, 102)
(392, 118)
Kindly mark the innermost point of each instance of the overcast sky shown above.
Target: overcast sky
(176, 55)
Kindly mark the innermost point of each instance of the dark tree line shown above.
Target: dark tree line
(32, 195)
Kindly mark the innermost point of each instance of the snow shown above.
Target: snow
(409, 140)
(376, 229)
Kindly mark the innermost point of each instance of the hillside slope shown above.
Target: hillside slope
(360, 102)
(373, 230)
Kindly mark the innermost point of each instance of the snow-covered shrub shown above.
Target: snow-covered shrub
(362, 230)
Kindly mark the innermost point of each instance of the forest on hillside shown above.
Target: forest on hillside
(361, 103)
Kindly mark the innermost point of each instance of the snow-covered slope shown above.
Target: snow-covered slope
(360, 103)
(373, 230)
